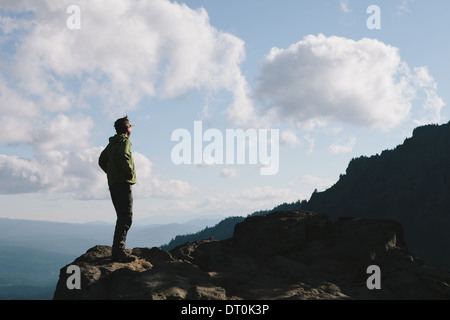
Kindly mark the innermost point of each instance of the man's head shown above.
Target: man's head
(123, 126)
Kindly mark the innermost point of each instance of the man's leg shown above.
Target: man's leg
(122, 198)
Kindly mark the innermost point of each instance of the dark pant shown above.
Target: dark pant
(122, 198)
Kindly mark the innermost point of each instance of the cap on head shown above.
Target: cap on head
(121, 125)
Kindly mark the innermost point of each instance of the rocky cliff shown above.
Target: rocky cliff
(282, 255)
(409, 184)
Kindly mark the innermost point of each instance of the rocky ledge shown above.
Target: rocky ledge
(282, 255)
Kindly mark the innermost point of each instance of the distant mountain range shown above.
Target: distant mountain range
(32, 252)
(224, 229)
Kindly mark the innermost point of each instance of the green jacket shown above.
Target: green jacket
(117, 160)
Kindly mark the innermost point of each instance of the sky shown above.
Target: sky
(314, 84)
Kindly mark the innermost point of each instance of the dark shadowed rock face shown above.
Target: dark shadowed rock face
(409, 184)
(282, 255)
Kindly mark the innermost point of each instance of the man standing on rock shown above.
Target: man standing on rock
(116, 160)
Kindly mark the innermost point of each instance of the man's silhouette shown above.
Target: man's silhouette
(118, 164)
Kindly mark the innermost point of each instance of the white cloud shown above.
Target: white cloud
(73, 173)
(333, 79)
(247, 200)
(9, 25)
(63, 160)
(432, 102)
(76, 174)
(336, 148)
(403, 7)
(264, 193)
(17, 114)
(313, 182)
(63, 133)
(289, 138)
(150, 185)
(344, 6)
(124, 51)
(311, 142)
(228, 173)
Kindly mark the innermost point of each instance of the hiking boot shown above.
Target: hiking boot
(122, 256)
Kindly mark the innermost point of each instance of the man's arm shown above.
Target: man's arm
(126, 162)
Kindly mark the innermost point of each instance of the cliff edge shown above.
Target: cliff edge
(282, 255)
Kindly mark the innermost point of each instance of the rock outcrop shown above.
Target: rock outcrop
(282, 255)
(409, 184)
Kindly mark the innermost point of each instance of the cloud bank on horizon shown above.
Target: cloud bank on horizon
(51, 76)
